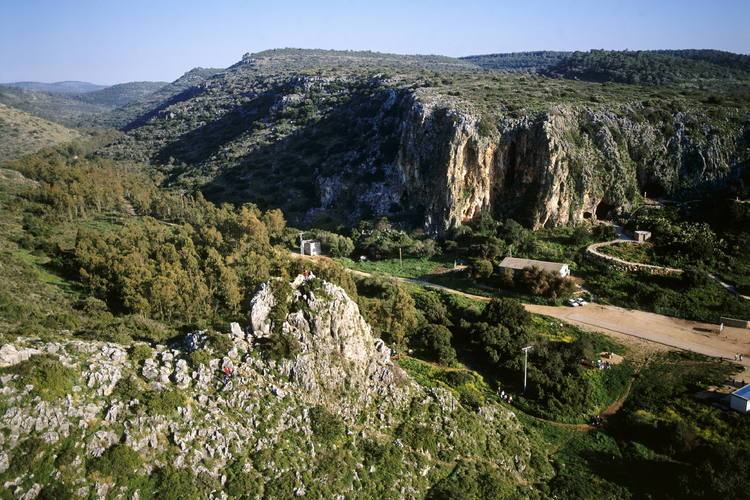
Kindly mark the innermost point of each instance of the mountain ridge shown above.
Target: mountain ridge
(364, 135)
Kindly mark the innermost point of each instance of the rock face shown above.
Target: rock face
(10, 355)
(338, 353)
(561, 166)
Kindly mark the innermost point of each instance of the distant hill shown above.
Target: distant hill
(61, 108)
(146, 106)
(121, 94)
(518, 61)
(75, 110)
(67, 87)
(650, 67)
(22, 133)
(661, 67)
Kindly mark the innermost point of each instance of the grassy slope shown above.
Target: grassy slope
(22, 133)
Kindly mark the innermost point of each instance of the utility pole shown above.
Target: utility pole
(400, 260)
(525, 363)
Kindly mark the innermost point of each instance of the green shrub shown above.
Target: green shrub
(140, 352)
(482, 268)
(177, 484)
(241, 483)
(470, 481)
(128, 388)
(31, 456)
(221, 343)
(325, 425)
(50, 378)
(118, 462)
(200, 357)
(419, 437)
(164, 402)
(434, 342)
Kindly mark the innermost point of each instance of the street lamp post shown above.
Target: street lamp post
(525, 363)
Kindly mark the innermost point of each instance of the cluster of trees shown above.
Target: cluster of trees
(75, 186)
(485, 242)
(650, 67)
(558, 386)
(677, 240)
(518, 61)
(334, 244)
(180, 272)
(380, 240)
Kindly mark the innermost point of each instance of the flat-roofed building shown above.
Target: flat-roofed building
(740, 399)
(516, 264)
(641, 236)
(311, 247)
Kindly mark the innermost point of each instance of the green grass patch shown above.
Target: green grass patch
(50, 378)
(410, 267)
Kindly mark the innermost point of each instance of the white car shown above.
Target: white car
(573, 303)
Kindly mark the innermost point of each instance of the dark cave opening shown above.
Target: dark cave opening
(604, 210)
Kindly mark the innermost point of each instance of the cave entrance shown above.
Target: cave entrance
(587, 215)
(604, 210)
(652, 190)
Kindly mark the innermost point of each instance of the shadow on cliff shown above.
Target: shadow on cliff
(198, 145)
(351, 143)
(152, 112)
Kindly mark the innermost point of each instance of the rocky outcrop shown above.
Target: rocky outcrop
(338, 353)
(565, 165)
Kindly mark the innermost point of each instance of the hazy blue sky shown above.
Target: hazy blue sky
(107, 42)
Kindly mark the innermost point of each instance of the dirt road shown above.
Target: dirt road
(702, 338)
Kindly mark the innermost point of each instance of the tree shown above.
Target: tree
(275, 223)
(482, 268)
(507, 312)
(432, 307)
(493, 341)
(434, 342)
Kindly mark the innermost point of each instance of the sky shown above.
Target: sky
(107, 41)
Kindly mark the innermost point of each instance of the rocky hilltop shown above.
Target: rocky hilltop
(234, 413)
(433, 141)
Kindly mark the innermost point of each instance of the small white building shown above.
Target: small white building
(641, 236)
(740, 399)
(516, 264)
(311, 247)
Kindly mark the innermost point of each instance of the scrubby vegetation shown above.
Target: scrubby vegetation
(49, 377)
(98, 249)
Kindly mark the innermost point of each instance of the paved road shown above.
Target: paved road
(695, 336)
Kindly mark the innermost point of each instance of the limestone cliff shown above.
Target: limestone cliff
(564, 165)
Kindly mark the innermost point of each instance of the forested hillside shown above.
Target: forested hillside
(654, 67)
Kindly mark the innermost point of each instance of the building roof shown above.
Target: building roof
(516, 263)
(642, 232)
(743, 392)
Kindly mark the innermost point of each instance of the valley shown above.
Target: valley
(161, 335)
